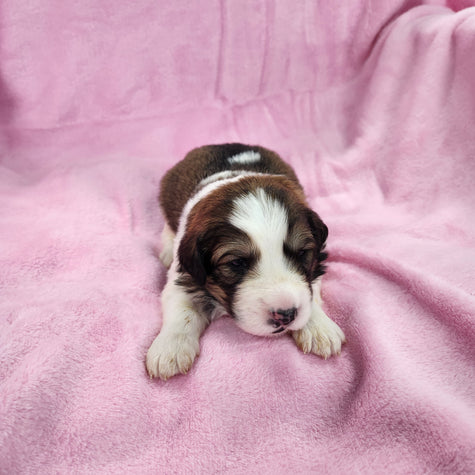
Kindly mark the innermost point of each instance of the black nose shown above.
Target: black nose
(284, 317)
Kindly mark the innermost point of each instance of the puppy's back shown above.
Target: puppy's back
(181, 182)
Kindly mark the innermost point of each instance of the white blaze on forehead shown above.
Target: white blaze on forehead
(263, 218)
(244, 158)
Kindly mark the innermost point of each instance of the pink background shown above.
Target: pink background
(373, 103)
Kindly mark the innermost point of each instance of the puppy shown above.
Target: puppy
(240, 240)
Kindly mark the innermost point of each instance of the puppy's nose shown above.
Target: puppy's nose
(284, 317)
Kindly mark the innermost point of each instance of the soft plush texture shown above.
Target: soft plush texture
(373, 103)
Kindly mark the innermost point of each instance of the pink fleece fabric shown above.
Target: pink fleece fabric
(373, 103)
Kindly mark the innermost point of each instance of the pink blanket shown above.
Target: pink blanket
(373, 103)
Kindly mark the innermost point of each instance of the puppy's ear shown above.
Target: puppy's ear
(320, 233)
(191, 257)
(318, 227)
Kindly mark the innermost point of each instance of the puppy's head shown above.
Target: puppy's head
(256, 248)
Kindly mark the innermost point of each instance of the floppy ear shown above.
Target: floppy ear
(191, 257)
(320, 234)
(318, 227)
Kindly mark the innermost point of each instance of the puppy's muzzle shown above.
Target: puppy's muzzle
(281, 318)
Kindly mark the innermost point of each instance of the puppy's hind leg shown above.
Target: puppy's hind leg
(167, 239)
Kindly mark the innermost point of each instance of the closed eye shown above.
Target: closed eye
(302, 256)
(301, 253)
(234, 263)
(239, 263)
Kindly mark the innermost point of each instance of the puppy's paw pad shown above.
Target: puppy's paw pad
(324, 338)
(170, 355)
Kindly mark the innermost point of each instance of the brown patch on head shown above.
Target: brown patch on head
(212, 251)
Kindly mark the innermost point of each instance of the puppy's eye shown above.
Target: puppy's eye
(238, 264)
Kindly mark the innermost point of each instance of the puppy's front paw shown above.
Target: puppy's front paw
(171, 354)
(321, 336)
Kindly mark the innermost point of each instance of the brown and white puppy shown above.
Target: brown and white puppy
(239, 240)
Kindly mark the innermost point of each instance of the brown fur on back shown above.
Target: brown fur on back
(181, 181)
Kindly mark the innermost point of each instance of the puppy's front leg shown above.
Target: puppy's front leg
(178, 343)
(320, 335)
